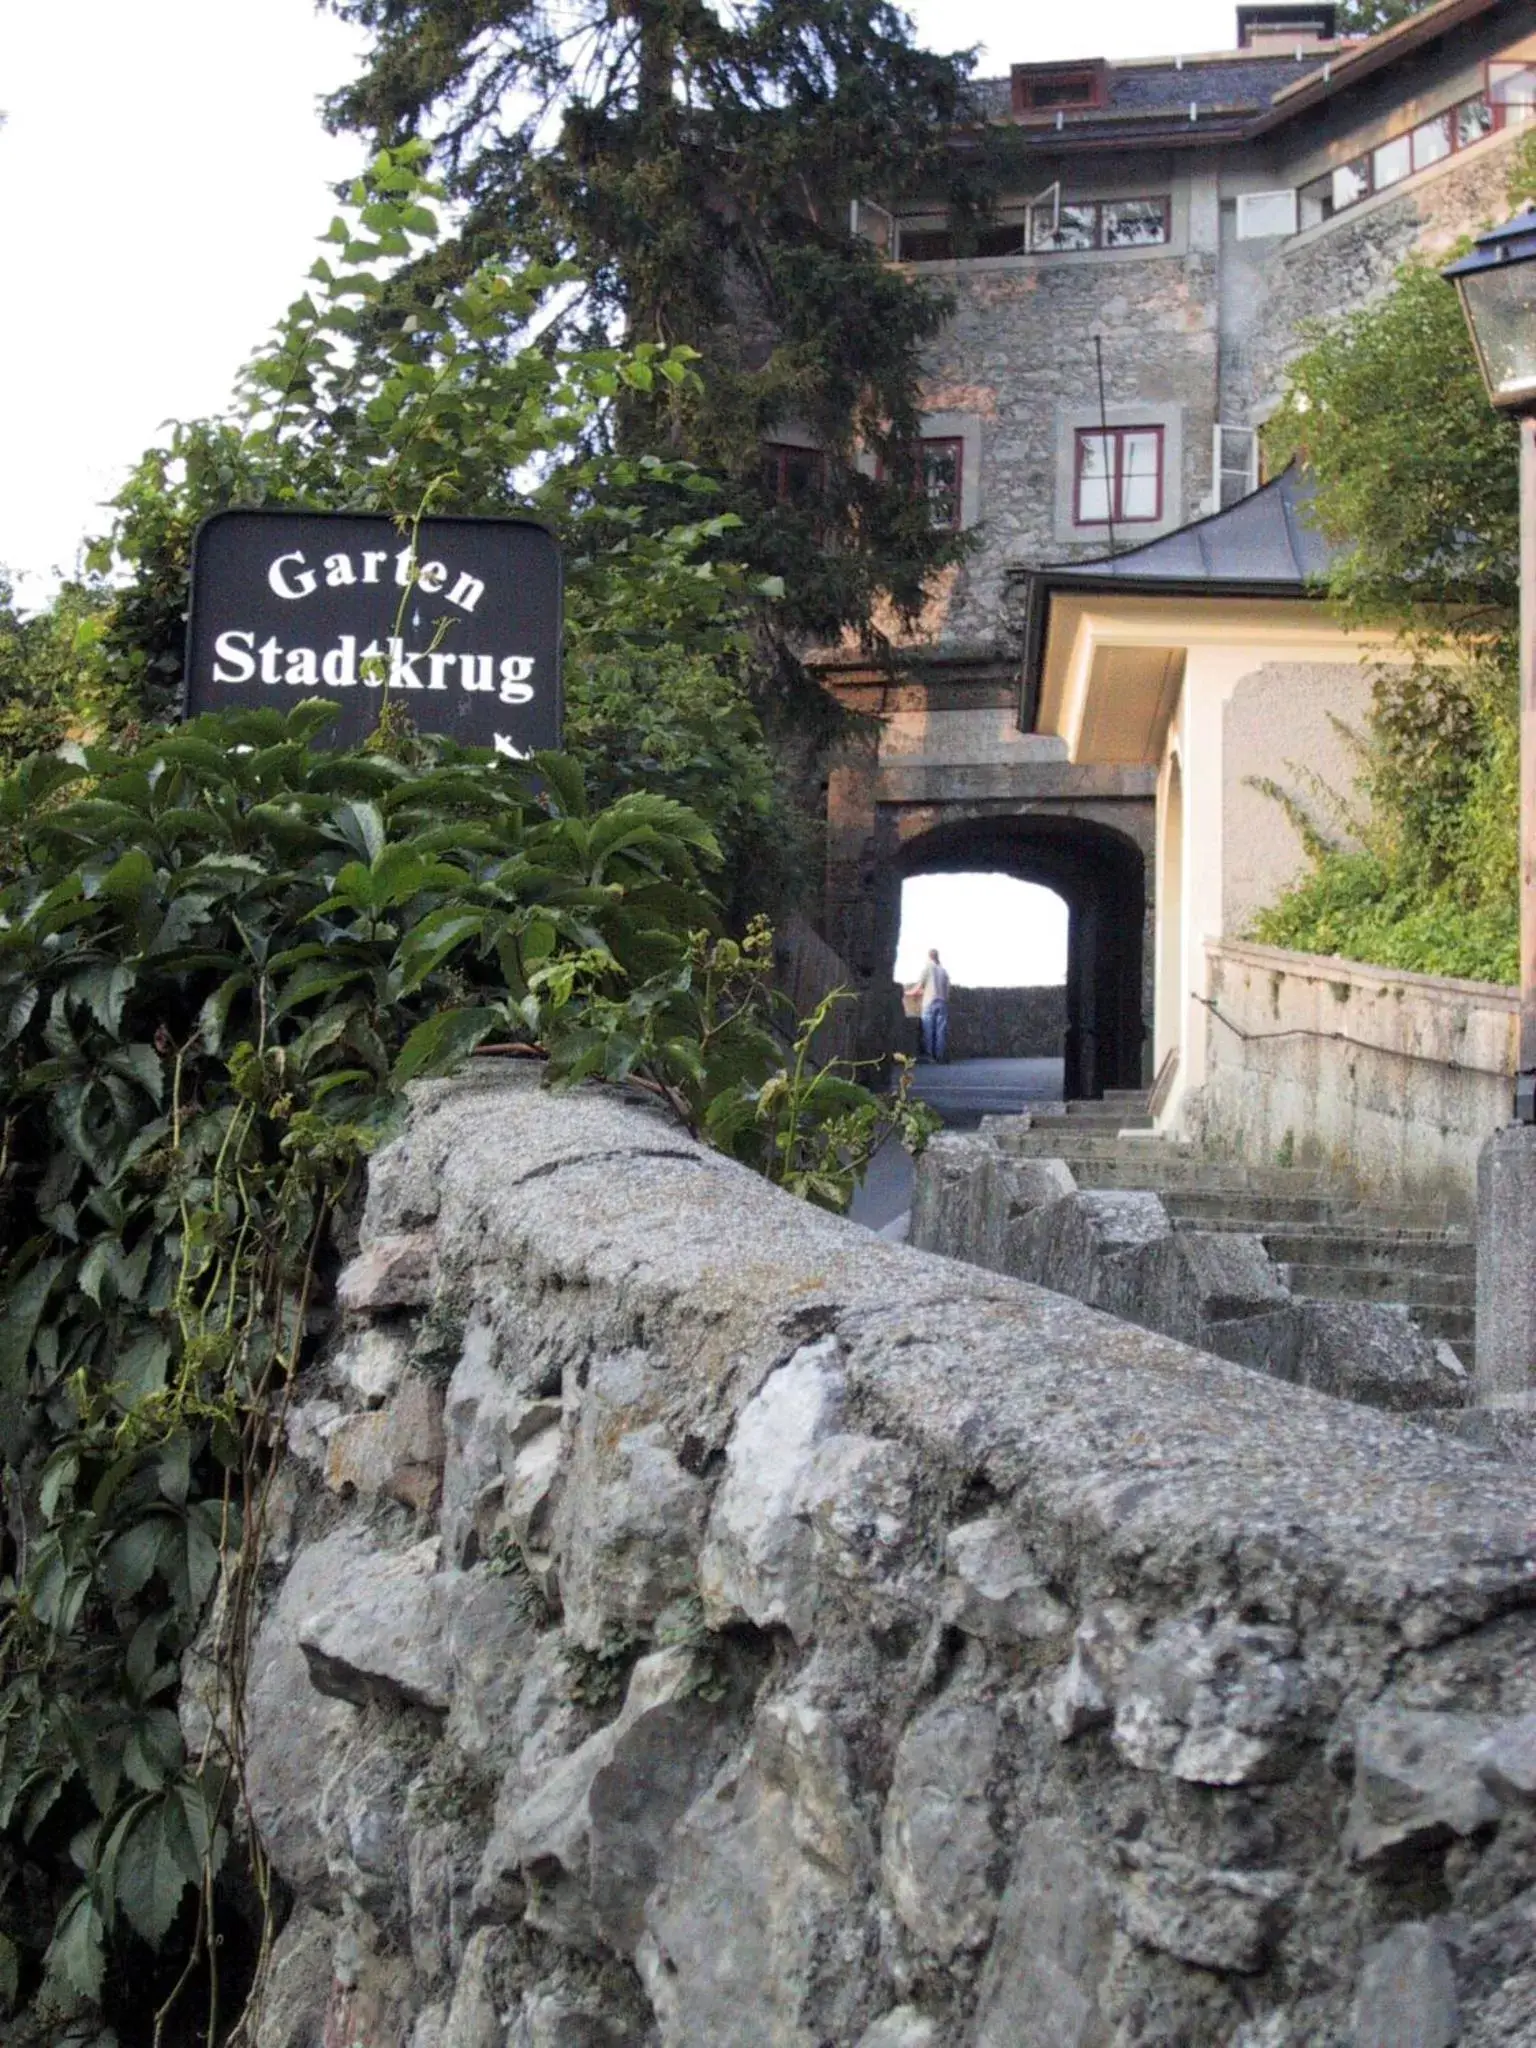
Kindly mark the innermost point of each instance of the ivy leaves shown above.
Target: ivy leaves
(221, 956)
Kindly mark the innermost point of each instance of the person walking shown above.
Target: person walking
(932, 985)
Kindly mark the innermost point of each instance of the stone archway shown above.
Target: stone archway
(932, 775)
(1100, 874)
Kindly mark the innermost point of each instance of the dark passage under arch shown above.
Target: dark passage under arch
(1100, 875)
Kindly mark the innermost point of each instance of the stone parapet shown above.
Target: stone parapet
(824, 1643)
(1390, 1081)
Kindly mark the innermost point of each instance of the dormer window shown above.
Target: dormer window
(1289, 27)
(1058, 88)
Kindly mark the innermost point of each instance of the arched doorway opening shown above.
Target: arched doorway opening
(1004, 942)
(1099, 874)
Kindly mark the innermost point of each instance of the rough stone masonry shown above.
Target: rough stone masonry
(695, 1622)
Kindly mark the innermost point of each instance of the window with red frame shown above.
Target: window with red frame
(939, 481)
(943, 466)
(1509, 101)
(793, 476)
(1044, 88)
(1119, 476)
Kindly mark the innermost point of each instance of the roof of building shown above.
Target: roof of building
(1233, 93)
(1263, 546)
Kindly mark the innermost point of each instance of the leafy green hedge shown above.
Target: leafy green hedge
(222, 956)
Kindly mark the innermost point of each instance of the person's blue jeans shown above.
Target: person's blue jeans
(936, 1031)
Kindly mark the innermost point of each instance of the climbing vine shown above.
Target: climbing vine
(222, 958)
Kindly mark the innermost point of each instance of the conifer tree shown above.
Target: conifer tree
(699, 167)
(1370, 17)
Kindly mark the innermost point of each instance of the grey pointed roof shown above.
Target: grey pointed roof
(1267, 537)
(1263, 546)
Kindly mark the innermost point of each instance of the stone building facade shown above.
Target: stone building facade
(1121, 329)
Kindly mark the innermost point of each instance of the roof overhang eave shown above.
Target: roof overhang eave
(1041, 585)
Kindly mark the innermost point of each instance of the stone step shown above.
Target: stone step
(1427, 1251)
(1456, 1325)
(1194, 1177)
(1409, 1284)
(1261, 1214)
(1249, 1210)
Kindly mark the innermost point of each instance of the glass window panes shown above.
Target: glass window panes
(1119, 475)
(794, 476)
(1062, 92)
(1431, 141)
(1351, 182)
(1093, 479)
(1076, 229)
(1139, 478)
(1512, 88)
(1004, 238)
(1262, 214)
(926, 245)
(941, 483)
(1474, 120)
(1315, 201)
(1134, 223)
(1392, 162)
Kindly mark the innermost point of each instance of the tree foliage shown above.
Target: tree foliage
(225, 949)
(1417, 480)
(1416, 476)
(459, 398)
(1369, 17)
(697, 166)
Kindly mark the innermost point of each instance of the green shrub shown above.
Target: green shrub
(222, 956)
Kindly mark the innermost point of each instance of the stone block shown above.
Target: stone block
(298, 1739)
(938, 1839)
(1507, 1759)
(1185, 1282)
(1215, 1919)
(377, 1632)
(488, 1638)
(948, 1204)
(757, 1560)
(1373, 1353)
(994, 1589)
(1269, 1342)
(1213, 1703)
(1082, 1696)
(630, 1520)
(1406, 1997)
(370, 1362)
(1506, 1264)
(759, 1910)
(487, 1419)
(474, 2017)
(1051, 1951)
(906, 2027)
(592, 1835)
(391, 1273)
(396, 1451)
(298, 1981)
(1419, 1781)
(1081, 1245)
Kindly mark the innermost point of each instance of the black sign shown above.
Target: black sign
(459, 623)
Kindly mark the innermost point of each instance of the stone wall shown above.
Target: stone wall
(976, 1199)
(1271, 292)
(1389, 1080)
(1002, 1023)
(807, 971)
(696, 1624)
(1018, 353)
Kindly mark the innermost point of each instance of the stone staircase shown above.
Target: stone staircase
(1327, 1245)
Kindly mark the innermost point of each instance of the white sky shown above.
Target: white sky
(991, 931)
(164, 174)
